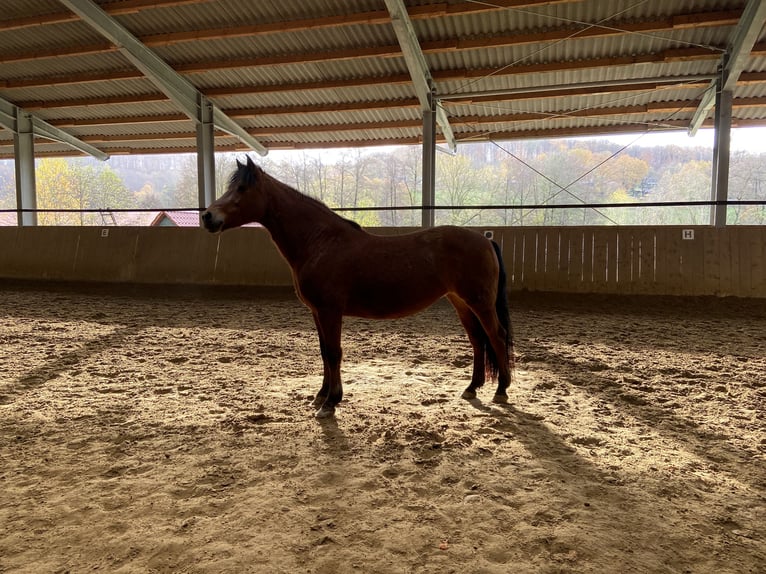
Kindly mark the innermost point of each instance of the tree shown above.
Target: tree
(519, 188)
(7, 185)
(388, 169)
(747, 180)
(186, 192)
(147, 198)
(63, 184)
(690, 182)
(361, 165)
(55, 190)
(410, 182)
(456, 185)
(343, 175)
(514, 173)
(106, 190)
(225, 164)
(296, 173)
(623, 172)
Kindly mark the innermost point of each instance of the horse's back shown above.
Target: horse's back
(449, 249)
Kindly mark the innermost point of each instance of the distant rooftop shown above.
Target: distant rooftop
(176, 219)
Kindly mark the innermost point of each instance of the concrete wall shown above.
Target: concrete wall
(662, 260)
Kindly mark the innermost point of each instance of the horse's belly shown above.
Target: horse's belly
(385, 302)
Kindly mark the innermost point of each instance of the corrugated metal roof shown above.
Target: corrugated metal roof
(310, 73)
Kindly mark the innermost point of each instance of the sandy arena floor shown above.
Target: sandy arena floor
(170, 431)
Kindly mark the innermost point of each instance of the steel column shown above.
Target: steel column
(429, 164)
(24, 150)
(721, 156)
(205, 153)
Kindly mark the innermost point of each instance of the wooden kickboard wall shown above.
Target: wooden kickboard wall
(623, 260)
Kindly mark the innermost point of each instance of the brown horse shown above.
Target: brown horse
(339, 269)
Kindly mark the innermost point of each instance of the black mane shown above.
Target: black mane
(243, 175)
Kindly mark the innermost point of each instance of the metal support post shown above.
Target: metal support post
(429, 163)
(26, 189)
(721, 157)
(205, 153)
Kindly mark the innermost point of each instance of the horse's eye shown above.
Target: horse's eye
(240, 189)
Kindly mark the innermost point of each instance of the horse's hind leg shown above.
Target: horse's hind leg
(497, 337)
(475, 333)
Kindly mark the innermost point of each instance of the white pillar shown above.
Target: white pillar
(205, 153)
(429, 163)
(24, 150)
(721, 157)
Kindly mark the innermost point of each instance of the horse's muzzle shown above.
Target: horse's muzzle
(212, 223)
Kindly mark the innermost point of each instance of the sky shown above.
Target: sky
(742, 139)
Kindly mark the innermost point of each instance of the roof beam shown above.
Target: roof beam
(745, 35)
(6, 151)
(364, 18)
(176, 87)
(113, 8)
(671, 125)
(583, 88)
(733, 62)
(9, 114)
(679, 21)
(418, 67)
(665, 56)
(662, 57)
(466, 120)
(283, 111)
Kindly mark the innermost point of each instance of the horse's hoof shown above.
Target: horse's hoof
(468, 395)
(500, 399)
(318, 401)
(325, 412)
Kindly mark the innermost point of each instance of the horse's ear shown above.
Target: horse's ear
(250, 164)
(239, 165)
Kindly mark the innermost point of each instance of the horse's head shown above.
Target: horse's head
(242, 203)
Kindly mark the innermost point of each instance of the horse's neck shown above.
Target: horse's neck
(296, 225)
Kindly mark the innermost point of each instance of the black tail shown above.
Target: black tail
(503, 316)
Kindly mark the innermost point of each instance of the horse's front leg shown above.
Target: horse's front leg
(321, 396)
(329, 327)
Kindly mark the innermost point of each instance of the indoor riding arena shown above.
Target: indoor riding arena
(165, 426)
(159, 385)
